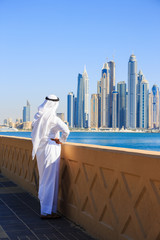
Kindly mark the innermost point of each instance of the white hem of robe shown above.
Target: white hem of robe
(48, 160)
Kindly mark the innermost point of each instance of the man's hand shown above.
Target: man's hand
(57, 141)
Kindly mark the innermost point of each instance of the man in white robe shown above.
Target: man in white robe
(47, 148)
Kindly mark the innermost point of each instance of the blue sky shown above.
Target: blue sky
(44, 44)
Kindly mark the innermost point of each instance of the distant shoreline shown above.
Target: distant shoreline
(92, 131)
(116, 131)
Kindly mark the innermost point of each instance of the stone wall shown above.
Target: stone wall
(113, 193)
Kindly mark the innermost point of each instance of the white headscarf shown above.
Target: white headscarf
(45, 115)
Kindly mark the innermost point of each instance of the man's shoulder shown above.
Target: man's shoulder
(58, 119)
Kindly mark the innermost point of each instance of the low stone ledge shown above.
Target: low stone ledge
(114, 193)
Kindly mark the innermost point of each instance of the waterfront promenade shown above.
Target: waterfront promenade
(112, 193)
(20, 219)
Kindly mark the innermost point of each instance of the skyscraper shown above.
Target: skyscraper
(144, 104)
(155, 106)
(75, 112)
(86, 98)
(132, 82)
(111, 65)
(121, 88)
(70, 109)
(105, 106)
(150, 111)
(114, 109)
(5, 122)
(98, 87)
(140, 77)
(127, 108)
(26, 112)
(94, 111)
(80, 102)
(99, 102)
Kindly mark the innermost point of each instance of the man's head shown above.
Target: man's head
(52, 98)
(51, 103)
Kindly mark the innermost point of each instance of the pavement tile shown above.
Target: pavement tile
(14, 227)
(3, 234)
(20, 218)
(8, 184)
(21, 235)
(28, 237)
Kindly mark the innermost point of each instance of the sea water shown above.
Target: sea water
(144, 141)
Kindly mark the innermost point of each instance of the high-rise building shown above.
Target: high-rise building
(75, 112)
(150, 111)
(99, 102)
(99, 87)
(127, 108)
(121, 89)
(80, 101)
(114, 109)
(70, 109)
(5, 122)
(144, 104)
(111, 65)
(86, 98)
(99, 110)
(140, 77)
(155, 106)
(132, 83)
(159, 109)
(94, 111)
(105, 106)
(26, 113)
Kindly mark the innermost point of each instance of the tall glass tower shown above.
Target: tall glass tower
(111, 65)
(86, 99)
(80, 102)
(121, 88)
(150, 111)
(132, 84)
(127, 108)
(26, 113)
(139, 78)
(105, 106)
(94, 111)
(99, 102)
(114, 109)
(144, 104)
(75, 112)
(70, 109)
(155, 106)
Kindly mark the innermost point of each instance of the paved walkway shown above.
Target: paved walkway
(20, 219)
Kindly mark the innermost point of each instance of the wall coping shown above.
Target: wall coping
(130, 151)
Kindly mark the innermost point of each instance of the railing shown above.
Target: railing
(113, 193)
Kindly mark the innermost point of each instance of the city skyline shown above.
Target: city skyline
(44, 45)
(123, 108)
(107, 73)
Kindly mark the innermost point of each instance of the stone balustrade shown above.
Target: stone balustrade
(113, 193)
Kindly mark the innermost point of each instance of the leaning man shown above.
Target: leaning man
(47, 148)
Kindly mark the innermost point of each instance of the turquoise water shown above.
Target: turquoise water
(144, 141)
